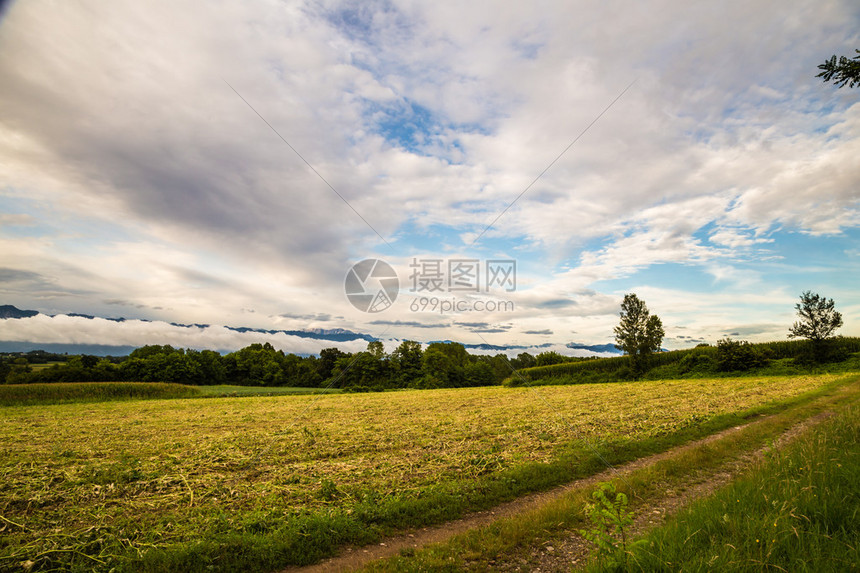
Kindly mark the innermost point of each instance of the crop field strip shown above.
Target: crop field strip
(122, 478)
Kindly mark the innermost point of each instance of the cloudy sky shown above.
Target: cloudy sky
(228, 162)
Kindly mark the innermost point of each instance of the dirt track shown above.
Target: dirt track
(559, 555)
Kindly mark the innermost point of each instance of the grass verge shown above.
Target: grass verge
(482, 548)
(228, 390)
(797, 511)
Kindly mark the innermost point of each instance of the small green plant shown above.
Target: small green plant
(610, 521)
(329, 491)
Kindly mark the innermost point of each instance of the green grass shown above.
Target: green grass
(503, 541)
(43, 365)
(221, 390)
(72, 392)
(798, 511)
(259, 483)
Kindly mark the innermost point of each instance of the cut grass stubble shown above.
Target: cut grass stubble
(169, 484)
(509, 540)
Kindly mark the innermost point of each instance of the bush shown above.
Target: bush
(696, 363)
(739, 355)
(549, 358)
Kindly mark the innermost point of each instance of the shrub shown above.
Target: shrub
(696, 363)
(738, 355)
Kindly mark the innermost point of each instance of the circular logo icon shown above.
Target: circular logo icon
(371, 285)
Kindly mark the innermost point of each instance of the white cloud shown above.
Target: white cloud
(63, 329)
(133, 172)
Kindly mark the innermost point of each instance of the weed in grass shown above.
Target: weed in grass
(610, 521)
(328, 491)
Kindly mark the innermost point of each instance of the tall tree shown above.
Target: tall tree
(842, 71)
(638, 333)
(523, 360)
(376, 349)
(819, 319)
(327, 361)
(406, 362)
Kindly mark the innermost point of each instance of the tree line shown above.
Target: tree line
(639, 335)
(440, 365)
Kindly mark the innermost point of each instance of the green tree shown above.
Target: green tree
(478, 373)
(301, 372)
(842, 71)
(19, 373)
(438, 370)
(84, 368)
(256, 365)
(326, 363)
(149, 350)
(104, 371)
(453, 350)
(406, 363)
(376, 349)
(501, 366)
(209, 366)
(307, 375)
(5, 368)
(549, 358)
(523, 360)
(819, 319)
(638, 334)
(363, 371)
(443, 365)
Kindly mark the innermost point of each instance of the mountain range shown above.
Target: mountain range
(333, 335)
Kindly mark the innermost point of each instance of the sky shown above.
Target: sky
(227, 163)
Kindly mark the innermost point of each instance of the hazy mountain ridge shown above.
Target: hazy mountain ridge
(9, 311)
(332, 335)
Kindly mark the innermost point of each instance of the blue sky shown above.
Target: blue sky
(136, 182)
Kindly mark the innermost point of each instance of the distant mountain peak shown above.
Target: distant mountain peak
(610, 348)
(333, 334)
(9, 311)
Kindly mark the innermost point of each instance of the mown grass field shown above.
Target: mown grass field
(258, 483)
(815, 499)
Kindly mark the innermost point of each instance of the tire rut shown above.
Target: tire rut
(572, 550)
(558, 555)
